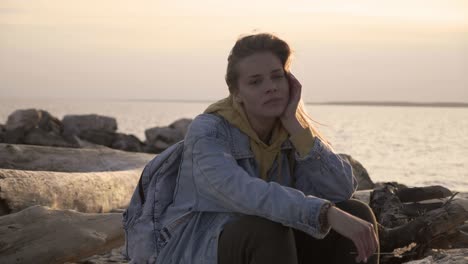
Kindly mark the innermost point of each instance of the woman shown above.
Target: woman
(257, 182)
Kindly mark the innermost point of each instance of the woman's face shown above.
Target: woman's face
(262, 87)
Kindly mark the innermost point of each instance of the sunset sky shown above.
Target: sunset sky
(368, 50)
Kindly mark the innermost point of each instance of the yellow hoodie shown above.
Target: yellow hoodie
(265, 155)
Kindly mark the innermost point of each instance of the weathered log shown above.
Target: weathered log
(425, 228)
(25, 157)
(417, 194)
(391, 211)
(417, 209)
(387, 207)
(92, 192)
(457, 239)
(452, 256)
(42, 235)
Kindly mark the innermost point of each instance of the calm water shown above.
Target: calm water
(412, 145)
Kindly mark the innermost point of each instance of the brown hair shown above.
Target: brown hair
(266, 42)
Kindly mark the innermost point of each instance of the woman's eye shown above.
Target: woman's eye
(278, 77)
(255, 82)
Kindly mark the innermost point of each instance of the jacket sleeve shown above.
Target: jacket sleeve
(219, 179)
(321, 172)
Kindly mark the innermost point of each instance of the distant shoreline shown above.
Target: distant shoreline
(337, 103)
(410, 104)
(344, 103)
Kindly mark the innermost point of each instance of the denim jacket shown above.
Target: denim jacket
(219, 181)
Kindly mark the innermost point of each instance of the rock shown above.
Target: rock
(91, 192)
(160, 138)
(181, 125)
(32, 118)
(41, 137)
(14, 136)
(127, 143)
(100, 137)
(165, 134)
(32, 126)
(43, 235)
(2, 133)
(25, 119)
(74, 124)
(156, 147)
(40, 158)
(364, 181)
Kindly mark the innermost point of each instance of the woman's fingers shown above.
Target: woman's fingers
(360, 250)
(361, 232)
(369, 241)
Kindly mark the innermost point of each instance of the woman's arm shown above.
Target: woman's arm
(323, 173)
(318, 171)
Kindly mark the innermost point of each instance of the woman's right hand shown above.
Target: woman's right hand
(361, 232)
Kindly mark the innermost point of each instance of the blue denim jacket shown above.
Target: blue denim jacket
(219, 181)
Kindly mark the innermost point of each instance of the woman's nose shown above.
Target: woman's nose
(271, 86)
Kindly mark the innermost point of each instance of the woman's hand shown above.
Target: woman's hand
(361, 232)
(288, 117)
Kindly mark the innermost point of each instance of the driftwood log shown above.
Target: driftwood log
(91, 192)
(101, 179)
(452, 256)
(431, 224)
(40, 158)
(42, 235)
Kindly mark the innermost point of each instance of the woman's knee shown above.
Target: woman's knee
(260, 229)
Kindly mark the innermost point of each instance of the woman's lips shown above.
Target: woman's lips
(273, 100)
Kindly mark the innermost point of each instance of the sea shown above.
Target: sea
(416, 146)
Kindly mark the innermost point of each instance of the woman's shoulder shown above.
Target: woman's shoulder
(206, 125)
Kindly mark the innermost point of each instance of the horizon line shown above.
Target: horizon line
(347, 103)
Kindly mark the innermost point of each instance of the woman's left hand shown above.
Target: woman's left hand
(295, 89)
(288, 117)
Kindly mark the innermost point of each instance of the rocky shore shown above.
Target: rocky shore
(39, 127)
(65, 183)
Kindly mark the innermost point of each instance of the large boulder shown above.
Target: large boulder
(160, 138)
(43, 235)
(21, 122)
(14, 136)
(361, 174)
(74, 124)
(41, 137)
(166, 134)
(2, 133)
(31, 118)
(112, 140)
(181, 125)
(100, 137)
(127, 143)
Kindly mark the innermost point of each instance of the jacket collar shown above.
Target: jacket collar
(240, 143)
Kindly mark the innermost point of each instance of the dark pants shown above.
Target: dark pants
(256, 240)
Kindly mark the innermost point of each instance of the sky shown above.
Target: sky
(362, 50)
